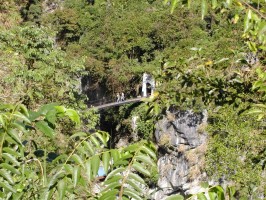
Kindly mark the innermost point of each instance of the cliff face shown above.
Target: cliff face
(182, 142)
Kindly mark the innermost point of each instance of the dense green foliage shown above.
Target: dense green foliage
(203, 54)
(33, 166)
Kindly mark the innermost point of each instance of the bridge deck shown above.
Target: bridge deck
(118, 103)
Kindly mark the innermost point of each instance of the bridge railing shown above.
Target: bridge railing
(103, 101)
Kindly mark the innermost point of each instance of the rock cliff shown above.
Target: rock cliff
(182, 142)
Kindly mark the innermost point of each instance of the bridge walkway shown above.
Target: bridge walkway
(112, 104)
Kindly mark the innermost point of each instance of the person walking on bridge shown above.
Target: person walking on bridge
(117, 97)
(122, 96)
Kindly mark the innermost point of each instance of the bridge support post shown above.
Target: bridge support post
(147, 79)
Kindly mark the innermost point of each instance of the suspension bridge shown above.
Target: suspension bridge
(148, 86)
(104, 105)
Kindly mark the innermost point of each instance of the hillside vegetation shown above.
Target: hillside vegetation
(54, 55)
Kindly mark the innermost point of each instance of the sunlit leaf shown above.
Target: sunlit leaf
(145, 159)
(21, 116)
(115, 154)
(247, 20)
(204, 8)
(136, 177)
(10, 158)
(6, 175)
(201, 196)
(110, 195)
(75, 175)
(23, 110)
(12, 152)
(7, 187)
(79, 134)
(106, 161)
(114, 179)
(95, 164)
(132, 194)
(77, 159)
(45, 128)
(212, 195)
(102, 138)
(149, 151)
(204, 184)
(73, 115)
(61, 187)
(88, 170)
(114, 172)
(95, 141)
(12, 133)
(89, 147)
(140, 168)
(173, 5)
(51, 116)
(134, 185)
(214, 4)
(10, 168)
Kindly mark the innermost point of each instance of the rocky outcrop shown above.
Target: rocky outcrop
(182, 142)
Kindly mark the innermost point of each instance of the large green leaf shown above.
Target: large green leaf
(140, 168)
(173, 5)
(204, 8)
(77, 159)
(149, 151)
(12, 133)
(6, 175)
(201, 196)
(10, 158)
(111, 186)
(12, 152)
(212, 195)
(7, 187)
(247, 20)
(89, 147)
(10, 168)
(2, 121)
(214, 4)
(51, 116)
(95, 164)
(46, 108)
(145, 159)
(34, 115)
(102, 137)
(79, 134)
(22, 108)
(46, 192)
(110, 195)
(95, 141)
(76, 175)
(132, 147)
(115, 155)
(134, 185)
(114, 172)
(61, 187)
(88, 170)
(45, 129)
(106, 161)
(73, 115)
(113, 179)
(136, 177)
(132, 194)
(22, 117)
